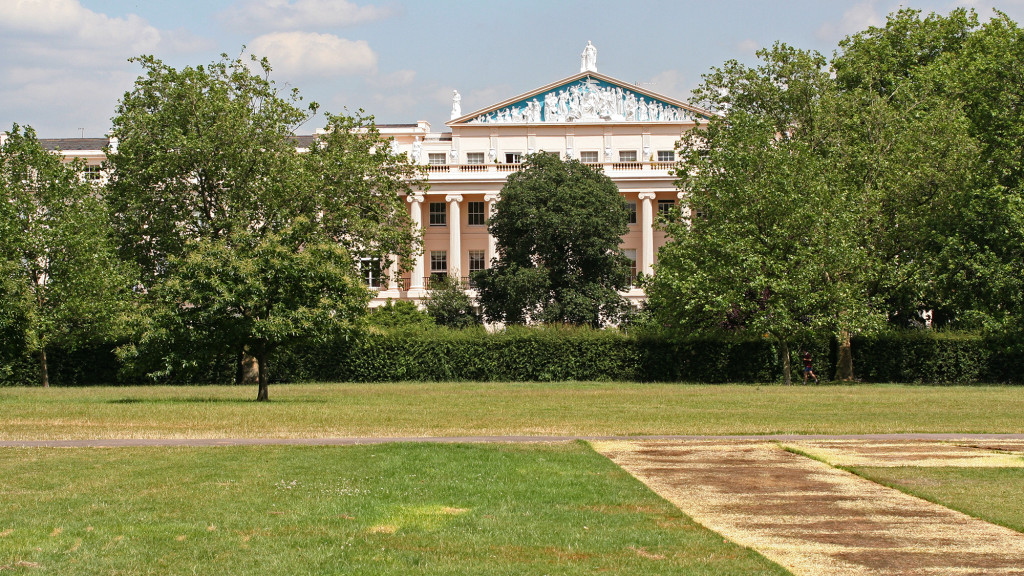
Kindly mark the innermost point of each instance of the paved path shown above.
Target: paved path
(994, 439)
(815, 519)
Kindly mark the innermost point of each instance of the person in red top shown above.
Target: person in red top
(808, 369)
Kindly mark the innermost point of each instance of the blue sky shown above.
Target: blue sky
(63, 63)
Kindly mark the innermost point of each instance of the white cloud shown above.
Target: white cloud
(859, 17)
(71, 62)
(305, 54)
(300, 14)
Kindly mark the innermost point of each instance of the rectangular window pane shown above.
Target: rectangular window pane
(438, 264)
(476, 260)
(589, 157)
(627, 156)
(631, 208)
(438, 214)
(513, 158)
(631, 255)
(666, 155)
(437, 159)
(475, 213)
(369, 268)
(665, 206)
(475, 158)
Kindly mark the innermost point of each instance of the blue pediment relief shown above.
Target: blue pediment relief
(587, 100)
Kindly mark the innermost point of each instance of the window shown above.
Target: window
(589, 157)
(475, 213)
(627, 155)
(438, 264)
(665, 207)
(631, 255)
(475, 158)
(91, 173)
(666, 155)
(438, 214)
(513, 158)
(369, 269)
(631, 210)
(477, 261)
(437, 159)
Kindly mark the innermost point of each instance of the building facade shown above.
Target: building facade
(627, 131)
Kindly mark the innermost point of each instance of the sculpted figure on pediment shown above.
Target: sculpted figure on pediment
(588, 60)
(630, 106)
(456, 104)
(550, 107)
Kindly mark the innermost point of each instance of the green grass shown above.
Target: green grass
(449, 409)
(992, 494)
(388, 509)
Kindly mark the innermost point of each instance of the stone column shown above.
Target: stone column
(416, 200)
(454, 236)
(492, 244)
(647, 223)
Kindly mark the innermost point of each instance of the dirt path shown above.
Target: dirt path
(812, 518)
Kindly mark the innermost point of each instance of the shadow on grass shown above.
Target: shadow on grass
(196, 400)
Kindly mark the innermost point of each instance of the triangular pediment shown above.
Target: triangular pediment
(587, 97)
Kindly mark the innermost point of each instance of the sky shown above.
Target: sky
(64, 63)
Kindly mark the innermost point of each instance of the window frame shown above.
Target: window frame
(624, 160)
(473, 217)
(437, 218)
(670, 155)
(472, 156)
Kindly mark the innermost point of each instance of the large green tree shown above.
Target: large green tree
(558, 226)
(772, 246)
(207, 166)
(60, 281)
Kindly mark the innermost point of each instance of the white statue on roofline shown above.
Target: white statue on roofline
(588, 60)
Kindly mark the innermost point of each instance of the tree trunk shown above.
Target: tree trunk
(261, 359)
(787, 370)
(43, 369)
(844, 364)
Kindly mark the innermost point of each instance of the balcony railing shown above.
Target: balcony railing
(513, 167)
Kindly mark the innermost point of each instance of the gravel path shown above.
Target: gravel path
(815, 519)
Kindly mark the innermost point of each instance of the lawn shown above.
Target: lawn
(387, 509)
(992, 494)
(457, 409)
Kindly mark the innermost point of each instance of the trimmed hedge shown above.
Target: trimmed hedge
(561, 353)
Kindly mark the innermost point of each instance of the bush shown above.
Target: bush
(559, 353)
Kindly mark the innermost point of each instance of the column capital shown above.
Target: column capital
(453, 198)
(647, 195)
(414, 198)
(680, 195)
(492, 197)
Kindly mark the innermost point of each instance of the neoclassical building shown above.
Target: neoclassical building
(626, 130)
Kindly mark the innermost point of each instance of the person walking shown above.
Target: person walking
(808, 370)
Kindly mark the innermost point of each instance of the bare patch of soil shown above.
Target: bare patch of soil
(815, 519)
(911, 453)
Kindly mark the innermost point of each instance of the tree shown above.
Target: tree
(449, 305)
(259, 292)
(771, 246)
(60, 281)
(558, 226)
(206, 164)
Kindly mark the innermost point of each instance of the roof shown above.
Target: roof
(73, 143)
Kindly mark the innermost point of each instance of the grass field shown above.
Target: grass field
(452, 409)
(390, 509)
(992, 494)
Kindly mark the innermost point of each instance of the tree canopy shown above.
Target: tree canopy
(60, 280)
(558, 226)
(219, 206)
